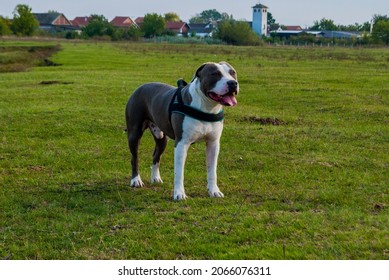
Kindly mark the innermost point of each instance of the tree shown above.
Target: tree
(226, 16)
(153, 25)
(98, 27)
(381, 31)
(196, 19)
(132, 33)
(271, 22)
(354, 27)
(173, 17)
(324, 24)
(4, 26)
(236, 33)
(209, 15)
(24, 22)
(270, 19)
(377, 18)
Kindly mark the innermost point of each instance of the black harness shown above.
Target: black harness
(177, 106)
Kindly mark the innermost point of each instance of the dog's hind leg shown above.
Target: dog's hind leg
(160, 146)
(134, 135)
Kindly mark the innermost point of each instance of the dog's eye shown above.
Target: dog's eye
(232, 73)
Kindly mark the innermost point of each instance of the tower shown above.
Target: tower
(260, 19)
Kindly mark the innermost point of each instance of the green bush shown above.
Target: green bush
(237, 33)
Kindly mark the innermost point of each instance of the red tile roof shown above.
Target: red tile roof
(139, 20)
(293, 27)
(122, 22)
(178, 27)
(174, 25)
(81, 21)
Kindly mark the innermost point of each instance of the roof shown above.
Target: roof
(340, 34)
(46, 18)
(291, 32)
(57, 19)
(314, 32)
(201, 27)
(81, 21)
(292, 27)
(139, 20)
(122, 22)
(175, 25)
(260, 6)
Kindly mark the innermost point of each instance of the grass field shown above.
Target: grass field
(303, 163)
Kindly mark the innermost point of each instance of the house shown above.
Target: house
(79, 22)
(139, 21)
(201, 29)
(340, 34)
(123, 22)
(317, 34)
(180, 28)
(53, 22)
(290, 28)
(288, 33)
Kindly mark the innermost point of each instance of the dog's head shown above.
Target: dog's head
(219, 82)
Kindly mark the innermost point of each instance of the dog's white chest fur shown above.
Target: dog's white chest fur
(196, 131)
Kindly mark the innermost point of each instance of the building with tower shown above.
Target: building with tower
(259, 24)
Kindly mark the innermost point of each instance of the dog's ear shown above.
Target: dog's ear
(197, 74)
(199, 70)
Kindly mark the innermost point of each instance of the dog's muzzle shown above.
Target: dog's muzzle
(227, 99)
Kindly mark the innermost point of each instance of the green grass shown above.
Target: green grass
(314, 187)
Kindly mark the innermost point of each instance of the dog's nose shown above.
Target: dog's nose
(232, 85)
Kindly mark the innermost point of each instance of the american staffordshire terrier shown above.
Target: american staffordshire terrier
(188, 114)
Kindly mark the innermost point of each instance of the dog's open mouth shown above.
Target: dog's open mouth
(227, 99)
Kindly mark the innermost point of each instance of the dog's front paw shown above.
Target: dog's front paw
(179, 195)
(215, 192)
(136, 182)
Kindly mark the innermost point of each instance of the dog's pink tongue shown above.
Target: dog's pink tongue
(229, 100)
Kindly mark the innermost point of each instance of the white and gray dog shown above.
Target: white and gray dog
(190, 113)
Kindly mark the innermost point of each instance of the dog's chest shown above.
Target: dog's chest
(196, 131)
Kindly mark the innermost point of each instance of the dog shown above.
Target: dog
(188, 113)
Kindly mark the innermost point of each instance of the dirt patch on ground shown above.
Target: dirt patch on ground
(54, 82)
(264, 121)
(22, 58)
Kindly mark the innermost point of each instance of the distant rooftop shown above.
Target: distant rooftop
(260, 6)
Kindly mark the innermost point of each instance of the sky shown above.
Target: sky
(294, 12)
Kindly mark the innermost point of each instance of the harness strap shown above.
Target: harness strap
(177, 106)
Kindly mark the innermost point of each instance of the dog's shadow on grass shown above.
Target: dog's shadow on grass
(111, 194)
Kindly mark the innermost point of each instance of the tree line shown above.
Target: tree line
(229, 30)
(379, 25)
